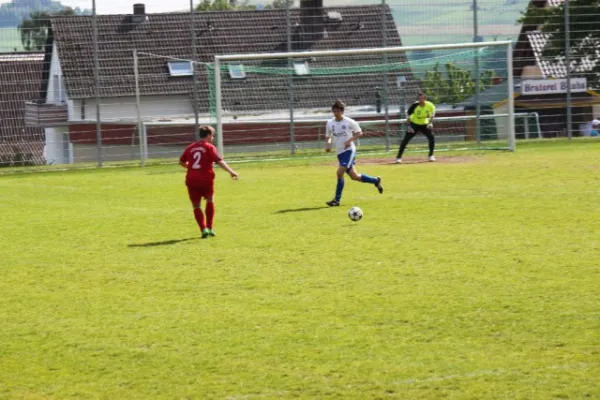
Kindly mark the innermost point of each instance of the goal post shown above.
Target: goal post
(377, 84)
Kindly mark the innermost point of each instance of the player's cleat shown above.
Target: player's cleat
(333, 203)
(211, 232)
(205, 233)
(432, 158)
(398, 161)
(378, 185)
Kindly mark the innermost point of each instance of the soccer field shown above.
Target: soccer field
(476, 277)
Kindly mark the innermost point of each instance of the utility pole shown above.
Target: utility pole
(568, 66)
(477, 73)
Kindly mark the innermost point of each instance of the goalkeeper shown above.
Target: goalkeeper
(420, 116)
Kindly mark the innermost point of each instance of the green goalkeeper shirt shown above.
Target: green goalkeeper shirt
(421, 114)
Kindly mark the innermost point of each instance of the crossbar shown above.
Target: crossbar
(372, 50)
(361, 51)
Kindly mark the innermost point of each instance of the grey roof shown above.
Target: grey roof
(20, 77)
(530, 46)
(557, 68)
(226, 32)
(489, 97)
(544, 3)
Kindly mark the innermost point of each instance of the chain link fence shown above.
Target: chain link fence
(114, 82)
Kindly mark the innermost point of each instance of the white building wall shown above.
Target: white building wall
(57, 148)
(532, 71)
(57, 93)
(502, 122)
(124, 108)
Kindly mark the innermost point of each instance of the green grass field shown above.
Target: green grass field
(472, 278)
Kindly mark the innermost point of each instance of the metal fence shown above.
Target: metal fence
(73, 92)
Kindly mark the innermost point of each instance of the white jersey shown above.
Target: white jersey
(341, 131)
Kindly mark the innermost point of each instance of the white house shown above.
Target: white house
(162, 42)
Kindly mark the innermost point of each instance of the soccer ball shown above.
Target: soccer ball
(355, 214)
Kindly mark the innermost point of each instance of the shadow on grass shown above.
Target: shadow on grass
(163, 243)
(289, 210)
(409, 161)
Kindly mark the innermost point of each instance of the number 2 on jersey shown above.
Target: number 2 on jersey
(197, 156)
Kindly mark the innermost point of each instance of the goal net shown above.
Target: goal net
(278, 103)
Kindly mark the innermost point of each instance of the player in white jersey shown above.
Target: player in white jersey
(343, 131)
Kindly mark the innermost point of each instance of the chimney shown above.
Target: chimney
(139, 13)
(311, 18)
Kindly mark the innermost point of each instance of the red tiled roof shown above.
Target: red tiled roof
(20, 77)
(226, 32)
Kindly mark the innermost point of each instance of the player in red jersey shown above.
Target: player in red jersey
(198, 159)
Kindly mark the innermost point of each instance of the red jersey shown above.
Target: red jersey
(199, 158)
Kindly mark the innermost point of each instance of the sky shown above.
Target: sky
(159, 6)
(126, 7)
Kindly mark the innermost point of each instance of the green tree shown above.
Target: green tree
(277, 4)
(215, 5)
(13, 12)
(460, 84)
(224, 5)
(455, 85)
(435, 85)
(584, 33)
(34, 30)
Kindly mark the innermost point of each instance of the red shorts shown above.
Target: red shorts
(198, 190)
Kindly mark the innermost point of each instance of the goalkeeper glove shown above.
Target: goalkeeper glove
(430, 126)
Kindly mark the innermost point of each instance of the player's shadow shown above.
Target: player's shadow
(163, 243)
(289, 210)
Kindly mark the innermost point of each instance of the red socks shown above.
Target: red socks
(210, 214)
(199, 218)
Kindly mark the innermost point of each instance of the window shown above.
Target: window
(59, 89)
(63, 91)
(56, 88)
(400, 80)
(180, 68)
(301, 68)
(236, 71)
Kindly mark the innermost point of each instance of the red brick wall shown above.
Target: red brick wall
(234, 134)
(111, 134)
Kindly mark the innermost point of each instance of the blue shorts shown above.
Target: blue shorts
(347, 159)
